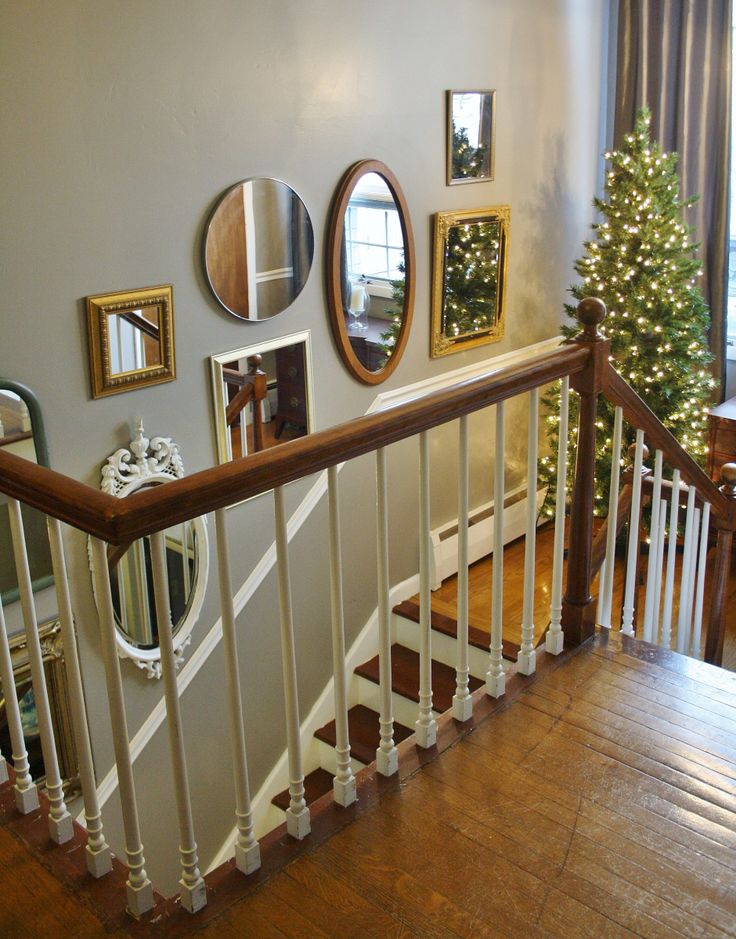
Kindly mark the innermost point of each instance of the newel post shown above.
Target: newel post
(721, 568)
(578, 608)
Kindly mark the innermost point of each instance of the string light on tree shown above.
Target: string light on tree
(658, 326)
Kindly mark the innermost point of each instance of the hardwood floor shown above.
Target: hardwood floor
(601, 803)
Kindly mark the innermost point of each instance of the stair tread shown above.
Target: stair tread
(364, 733)
(405, 677)
(316, 784)
(477, 638)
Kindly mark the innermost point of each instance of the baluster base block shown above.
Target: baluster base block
(526, 663)
(61, 829)
(554, 642)
(248, 860)
(26, 800)
(193, 897)
(426, 734)
(140, 899)
(344, 792)
(298, 824)
(3, 770)
(495, 685)
(462, 708)
(387, 761)
(99, 862)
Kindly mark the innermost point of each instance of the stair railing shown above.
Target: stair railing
(582, 364)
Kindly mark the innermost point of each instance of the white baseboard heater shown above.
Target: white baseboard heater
(480, 533)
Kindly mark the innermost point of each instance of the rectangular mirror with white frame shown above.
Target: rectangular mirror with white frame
(262, 395)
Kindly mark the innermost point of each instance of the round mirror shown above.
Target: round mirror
(370, 271)
(152, 463)
(258, 248)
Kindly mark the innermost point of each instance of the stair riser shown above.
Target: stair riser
(327, 758)
(444, 648)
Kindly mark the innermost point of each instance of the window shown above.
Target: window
(373, 239)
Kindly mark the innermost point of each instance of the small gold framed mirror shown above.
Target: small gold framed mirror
(469, 278)
(131, 339)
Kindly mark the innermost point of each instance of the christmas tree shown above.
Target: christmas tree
(471, 277)
(642, 266)
(467, 161)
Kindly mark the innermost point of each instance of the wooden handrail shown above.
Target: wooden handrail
(658, 437)
(121, 520)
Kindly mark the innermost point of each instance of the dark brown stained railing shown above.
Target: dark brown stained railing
(118, 521)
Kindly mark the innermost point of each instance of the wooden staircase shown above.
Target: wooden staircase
(363, 717)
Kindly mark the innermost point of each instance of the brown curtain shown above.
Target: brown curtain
(675, 57)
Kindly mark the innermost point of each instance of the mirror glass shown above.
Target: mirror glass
(262, 395)
(468, 291)
(258, 248)
(370, 275)
(135, 341)
(131, 581)
(22, 433)
(470, 133)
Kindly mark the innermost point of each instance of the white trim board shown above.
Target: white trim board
(383, 400)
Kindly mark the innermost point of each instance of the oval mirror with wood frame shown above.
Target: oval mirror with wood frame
(370, 271)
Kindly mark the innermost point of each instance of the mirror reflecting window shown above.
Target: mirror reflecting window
(262, 395)
(126, 471)
(22, 433)
(370, 276)
(258, 248)
(131, 339)
(469, 285)
(470, 136)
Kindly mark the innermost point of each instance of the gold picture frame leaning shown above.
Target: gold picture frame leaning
(469, 278)
(131, 339)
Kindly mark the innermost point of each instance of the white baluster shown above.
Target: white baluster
(26, 794)
(462, 702)
(138, 887)
(193, 894)
(555, 639)
(700, 585)
(61, 828)
(683, 614)
(343, 785)
(659, 564)
(496, 677)
(297, 815)
(648, 621)
(600, 607)
(527, 658)
(387, 755)
(426, 727)
(669, 584)
(247, 849)
(627, 614)
(612, 523)
(99, 860)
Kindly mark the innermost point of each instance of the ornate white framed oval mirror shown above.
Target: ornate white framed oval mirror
(153, 463)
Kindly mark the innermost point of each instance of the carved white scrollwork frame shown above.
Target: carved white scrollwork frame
(150, 463)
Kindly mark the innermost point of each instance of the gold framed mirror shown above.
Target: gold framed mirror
(469, 278)
(370, 271)
(131, 339)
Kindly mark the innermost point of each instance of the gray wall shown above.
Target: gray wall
(123, 122)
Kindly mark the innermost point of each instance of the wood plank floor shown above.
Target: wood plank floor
(601, 803)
